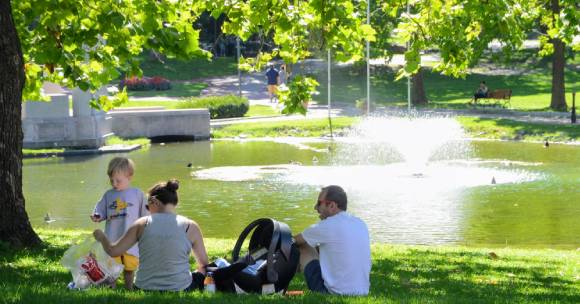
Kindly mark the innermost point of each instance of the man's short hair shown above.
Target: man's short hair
(336, 194)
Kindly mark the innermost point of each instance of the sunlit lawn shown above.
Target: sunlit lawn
(255, 110)
(400, 274)
(262, 110)
(530, 90)
(490, 128)
(298, 128)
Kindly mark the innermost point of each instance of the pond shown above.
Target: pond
(411, 189)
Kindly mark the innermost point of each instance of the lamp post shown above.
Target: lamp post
(408, 77)
(573, 116)
(368, 61)
(329, 102)
(239, 71)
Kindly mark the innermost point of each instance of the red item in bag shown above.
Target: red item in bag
(92, 269)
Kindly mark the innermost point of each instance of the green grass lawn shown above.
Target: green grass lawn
(530, 91)
(475, 128)
(185, 76)
(178, 89)
(255, 110)
(261, 110)
(497, 128)
(112, 140)
(298, 128)
(174, 69)
(400, 274)
(116, 140)
(41, 152)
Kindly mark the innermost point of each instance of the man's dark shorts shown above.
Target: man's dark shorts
(313, 276)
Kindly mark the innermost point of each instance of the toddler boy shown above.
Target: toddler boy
(120, 207)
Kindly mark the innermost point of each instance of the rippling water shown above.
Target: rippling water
(445, 196)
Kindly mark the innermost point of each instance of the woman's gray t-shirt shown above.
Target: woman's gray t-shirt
(164, 253)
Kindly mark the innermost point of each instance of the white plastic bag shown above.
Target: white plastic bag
(90, 265)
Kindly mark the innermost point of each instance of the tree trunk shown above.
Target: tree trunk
(418, 96)
(558, 101)
(15, 227)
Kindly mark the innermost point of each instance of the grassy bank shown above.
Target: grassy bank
(490, 128)
(498, 128)
(116, 140)
(415, 274)
(254, 111)
(112, 140)
(298, 128)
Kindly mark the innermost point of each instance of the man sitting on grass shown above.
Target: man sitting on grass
(342, 263)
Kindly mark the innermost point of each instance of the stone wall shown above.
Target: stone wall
(51, 124)
(155, 123)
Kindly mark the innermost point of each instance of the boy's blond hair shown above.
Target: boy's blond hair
(121, 164)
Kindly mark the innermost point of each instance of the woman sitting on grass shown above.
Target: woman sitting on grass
(165, 242)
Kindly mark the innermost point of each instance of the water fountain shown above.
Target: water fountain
(404, 175)
(414, 181)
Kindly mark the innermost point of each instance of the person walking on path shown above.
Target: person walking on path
(272, 77)
(283, 75)
(342, 263)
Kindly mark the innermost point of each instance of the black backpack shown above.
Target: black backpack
(272, 243)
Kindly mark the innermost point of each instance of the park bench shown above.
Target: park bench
(497, 97)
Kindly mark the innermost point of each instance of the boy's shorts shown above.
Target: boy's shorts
(130, 262)
(272, 88)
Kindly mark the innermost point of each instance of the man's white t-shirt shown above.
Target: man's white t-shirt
(345, 253)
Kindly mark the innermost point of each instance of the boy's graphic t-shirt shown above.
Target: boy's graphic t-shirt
(121, 209)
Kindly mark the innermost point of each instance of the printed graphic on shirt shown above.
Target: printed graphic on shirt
(120, 208)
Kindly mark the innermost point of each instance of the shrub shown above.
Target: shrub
(146, 83)
(160, 83)
(219, 106)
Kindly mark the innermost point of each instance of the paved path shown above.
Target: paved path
(254, 88)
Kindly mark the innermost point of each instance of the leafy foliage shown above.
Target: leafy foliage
(296, 96)
(85, 43)
(299, 28)
(462, 30)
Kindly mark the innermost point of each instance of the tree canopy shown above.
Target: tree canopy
(86, 44)
(461, 31)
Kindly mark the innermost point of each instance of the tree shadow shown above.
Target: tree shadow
(413, 274)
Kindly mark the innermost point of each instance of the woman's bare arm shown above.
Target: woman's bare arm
(196, 237)
(127, 241)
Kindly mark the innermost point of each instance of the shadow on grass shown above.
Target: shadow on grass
(409, 274)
